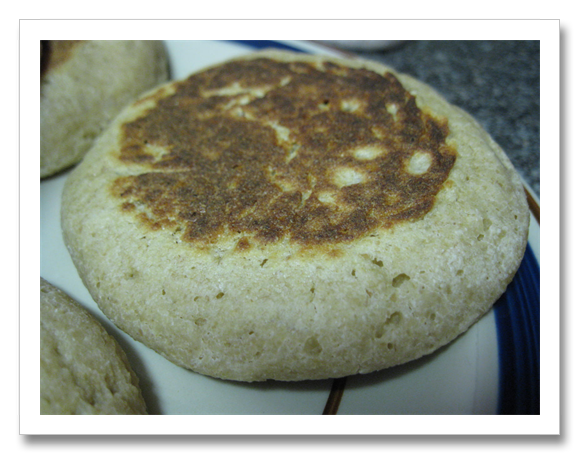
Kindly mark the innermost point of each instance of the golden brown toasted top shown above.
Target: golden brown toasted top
(317, 153)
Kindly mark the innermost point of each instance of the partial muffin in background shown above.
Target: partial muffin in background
(83, 370)
(83, 86)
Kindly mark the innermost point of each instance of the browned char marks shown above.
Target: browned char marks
(320, 154)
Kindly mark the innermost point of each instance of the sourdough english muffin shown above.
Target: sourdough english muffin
(83, 86)
(285, 216)
(82, 368)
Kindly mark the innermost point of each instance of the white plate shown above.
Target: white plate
(464, 377)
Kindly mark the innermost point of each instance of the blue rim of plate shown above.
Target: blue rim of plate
(263, 44)
(517, 318)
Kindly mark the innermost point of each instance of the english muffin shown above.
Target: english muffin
(287, 216)
(83, 86)
(83, 370)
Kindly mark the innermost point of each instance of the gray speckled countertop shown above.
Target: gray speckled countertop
(497, 82)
